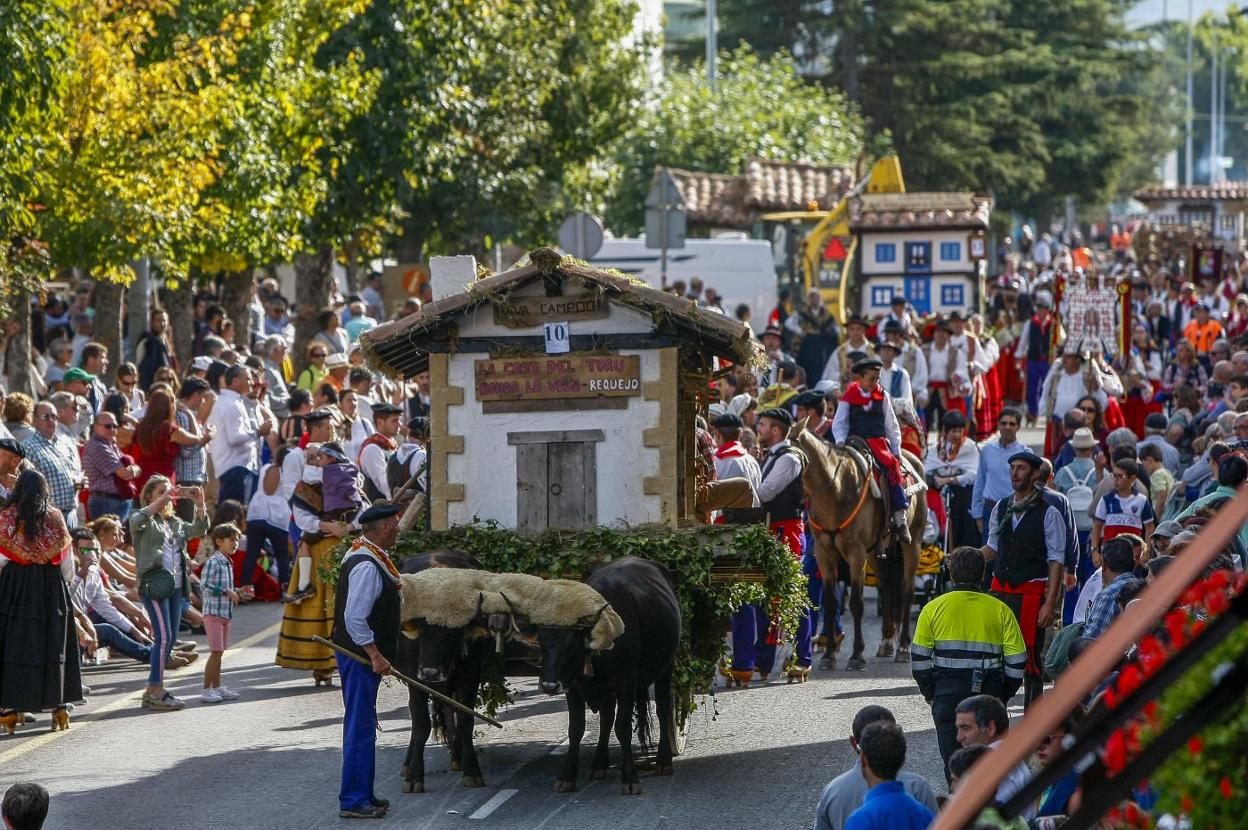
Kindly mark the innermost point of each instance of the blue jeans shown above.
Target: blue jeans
(359, 732)
(113, 639)
(237, 483)
(279, 541)
(103, 504)
(165, 614)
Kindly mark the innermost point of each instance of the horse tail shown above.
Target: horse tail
(641, 716)
(889, 575)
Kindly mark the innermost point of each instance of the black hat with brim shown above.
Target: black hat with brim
(378, 512)
(867, 365)
(888, 344)
(317, 415)
(728, 419)
(856, 320)
(384, 408)
(11, 445)
(782, 416)
(1028, 457)
(807, 400)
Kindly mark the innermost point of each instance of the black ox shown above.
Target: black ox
(451, 660)
(617, 681)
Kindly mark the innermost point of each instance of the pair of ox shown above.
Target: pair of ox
(602, 642)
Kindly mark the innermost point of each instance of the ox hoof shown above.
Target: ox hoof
(456, 766)
(597, 775)
(856, 664)
(413, 787)
(903, 656)
(630, 789)
(565, 786)
(827, 664)
(885, 650)
(663, 769)
(474, 781)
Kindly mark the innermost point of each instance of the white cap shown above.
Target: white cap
(335, 360)
(201, 363)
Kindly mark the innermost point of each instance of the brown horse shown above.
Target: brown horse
(848, 525)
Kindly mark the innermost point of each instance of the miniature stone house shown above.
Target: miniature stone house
(562, 396)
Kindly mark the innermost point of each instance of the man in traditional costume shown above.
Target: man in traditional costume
(948, 379)
(1031, 352)
(366, 622)
(839, 364)
(866, 411)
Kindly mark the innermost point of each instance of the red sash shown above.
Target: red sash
(380, 440)
(1033, 597)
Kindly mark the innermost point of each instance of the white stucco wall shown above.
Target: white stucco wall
(487, 467)
(871, 266)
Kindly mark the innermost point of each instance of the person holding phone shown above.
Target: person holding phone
(160, 539)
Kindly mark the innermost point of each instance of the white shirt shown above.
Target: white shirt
(737, 464)
(784, 469)
(918, 374)
(412, 456)
(1096, 581)
(273, 510)
(89, 594)
(236, 443)
(892, 431)
(966, 462)
(373, 466)
(887, 381)
(1012, 783)
(364, 584)
(292, 472)
(1070, 389)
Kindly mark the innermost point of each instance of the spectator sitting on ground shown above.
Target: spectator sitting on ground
(887, 806)
(1063, 797)
(845, 793)
(25, 806)
(961, 761)
(983, 719)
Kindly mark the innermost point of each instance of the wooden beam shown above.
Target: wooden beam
(537, 345)
(553, 405)
(555, 436)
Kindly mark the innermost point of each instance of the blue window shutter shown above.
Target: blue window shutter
(950, 251)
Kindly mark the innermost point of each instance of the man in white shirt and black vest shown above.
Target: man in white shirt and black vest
(366, 621)
(780, 492)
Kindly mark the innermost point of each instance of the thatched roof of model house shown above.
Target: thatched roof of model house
(401, 347)
(764, 186)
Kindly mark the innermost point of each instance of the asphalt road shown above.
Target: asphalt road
(754, 757)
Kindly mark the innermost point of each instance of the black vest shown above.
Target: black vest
(383, 619)
(1038, 339)
(788, 502)
(867, 421)
(1021, 552)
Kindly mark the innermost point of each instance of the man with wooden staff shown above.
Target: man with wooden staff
(366, 621)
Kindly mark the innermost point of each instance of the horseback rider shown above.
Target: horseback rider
(866, 411)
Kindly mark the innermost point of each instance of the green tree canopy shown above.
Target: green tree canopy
(760, 107)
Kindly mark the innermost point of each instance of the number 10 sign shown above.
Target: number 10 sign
(558, 340)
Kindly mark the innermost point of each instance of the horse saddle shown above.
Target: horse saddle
(912, 482)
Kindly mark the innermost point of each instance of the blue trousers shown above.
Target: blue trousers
(1082, 571)
(750, 649)
(359, 732)
(102, 504)
(237, 483)
(166, 617)
(1037, 370)
(113, 639)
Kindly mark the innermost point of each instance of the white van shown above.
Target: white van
(740, 270)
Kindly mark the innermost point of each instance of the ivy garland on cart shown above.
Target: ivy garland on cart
(717, 568)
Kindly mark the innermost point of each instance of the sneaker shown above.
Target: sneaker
(363, 811)
(185, 645)
(164, 703)
(227, 693)
(210, 696)
(177, 660)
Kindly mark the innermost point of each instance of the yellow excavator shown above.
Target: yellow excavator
(815, 249)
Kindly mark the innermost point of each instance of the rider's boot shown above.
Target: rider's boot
(903, 528)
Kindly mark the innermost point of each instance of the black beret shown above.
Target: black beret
(317, 415)
(944, 324)
(728, 419)
(12, 446)
(1155, 420)
(384, 408)
(808, 399)
(856, 355)
(777, 414)
(1028, 457)
(868, 364)
(856, 320)
(891, 325)
(888, 344)
(378, 512)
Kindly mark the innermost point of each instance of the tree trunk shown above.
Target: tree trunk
(356, 269)
(107, 324)
(235, 299)
(314, 276)
(410, 246)
(17, 349)
(179, 302)
(138, 305)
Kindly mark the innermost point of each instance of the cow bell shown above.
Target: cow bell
(588, 670)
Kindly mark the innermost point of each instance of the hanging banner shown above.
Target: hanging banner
(1090, 312)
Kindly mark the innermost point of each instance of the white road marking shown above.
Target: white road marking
(493, 804)
(38, 741)
(557, 748)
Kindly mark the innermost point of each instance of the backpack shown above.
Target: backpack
(1080, 494)
(398, 471)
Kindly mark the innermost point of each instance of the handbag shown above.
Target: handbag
(157, 583)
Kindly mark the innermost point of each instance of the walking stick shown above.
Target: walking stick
(415, 684)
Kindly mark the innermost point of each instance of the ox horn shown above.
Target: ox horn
(514, 613)
(593, 621)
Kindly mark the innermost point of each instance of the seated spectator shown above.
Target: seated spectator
(961, 762)
(1117, 569)
(983, 719)
(25, 806)
(18, 410)
(846, 793)
(1062, 797)
(887, 805)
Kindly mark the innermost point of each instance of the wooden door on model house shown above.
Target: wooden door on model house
(556, 478)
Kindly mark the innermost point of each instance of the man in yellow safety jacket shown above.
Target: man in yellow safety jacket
(965, 643)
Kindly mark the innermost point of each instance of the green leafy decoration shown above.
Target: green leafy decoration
(717, 569)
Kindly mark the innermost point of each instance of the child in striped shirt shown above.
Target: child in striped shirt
(217, 581)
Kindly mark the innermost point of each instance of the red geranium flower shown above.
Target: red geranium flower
(1225, 786)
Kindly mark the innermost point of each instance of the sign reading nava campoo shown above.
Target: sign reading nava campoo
(522, 310)
(547, 378)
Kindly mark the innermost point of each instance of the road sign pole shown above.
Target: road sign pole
(663, 245)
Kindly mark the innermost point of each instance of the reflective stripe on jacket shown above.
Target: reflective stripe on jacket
(961, 631)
